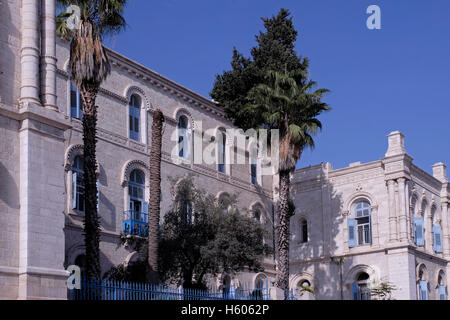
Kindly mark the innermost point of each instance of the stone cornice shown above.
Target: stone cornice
(424, 177)
(37, 113)
(155, 79)
(355, 169)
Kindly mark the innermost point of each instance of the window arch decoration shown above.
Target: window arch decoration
(130, 90)
(423, 280)
(131, 165)
(441, 285)
(135, 215)
(222, 198)
(257, 206)
(222, 150)
(350, 212)
(71, 153)
(260, 281)
(353, 278)
(145, 105)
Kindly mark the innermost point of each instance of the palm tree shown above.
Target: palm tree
(89, 66)
(286, 102)
(155, 194)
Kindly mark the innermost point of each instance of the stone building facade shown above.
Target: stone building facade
(41, 201)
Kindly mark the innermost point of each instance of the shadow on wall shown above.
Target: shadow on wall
(9, 192)
(326, 276)
(108, 213)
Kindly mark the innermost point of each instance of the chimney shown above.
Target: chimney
(396, 141)
(440, 171)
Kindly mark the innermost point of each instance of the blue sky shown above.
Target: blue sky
(396, 78)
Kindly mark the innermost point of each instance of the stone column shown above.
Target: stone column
(408, 213)
(392, 211)
(29, 53)
(48, 58)
(402, 213)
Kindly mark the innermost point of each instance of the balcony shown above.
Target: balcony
(135, 223)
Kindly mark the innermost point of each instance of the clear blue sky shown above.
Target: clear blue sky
(396, 78)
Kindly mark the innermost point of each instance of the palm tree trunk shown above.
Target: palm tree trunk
(91, 223)
(282, 280)
(155, 194)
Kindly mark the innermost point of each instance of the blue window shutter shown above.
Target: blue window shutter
(442, 293)
(180, 145)
(418, 232)
(186, 144)
(145, 211)
(98, 195)
(74, 190)
(355, 291)
(423, 290)
(437, 239)
(351, 233)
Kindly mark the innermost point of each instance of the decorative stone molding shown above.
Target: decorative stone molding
(357, 196)
(372, 271)
(158, 81)
(130, 90)
(130, 166)
(296, 279)
(421, 267)
(73, 151)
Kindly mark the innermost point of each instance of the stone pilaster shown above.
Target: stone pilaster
(403, 222)
(42, 198)
(392, 211)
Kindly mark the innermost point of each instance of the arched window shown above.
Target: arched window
(304, 285)
(257, 215)
(221, 151)
(136, 218)
(419, 225)
(360, 288)
(436, 232)
(224, 203)
(135, 117)
(76, 104)
(261, 286)
(359, 228)
(303, 231)
(422, 283)
(442, 287)
(78, 184)
(184, 137)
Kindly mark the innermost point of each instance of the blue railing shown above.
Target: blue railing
(135, 223)
(119, 290)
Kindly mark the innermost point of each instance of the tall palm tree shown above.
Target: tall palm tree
(287, 102)
(89, 66)
(155, 194)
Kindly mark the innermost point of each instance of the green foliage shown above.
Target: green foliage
(274, 51)
(383, 291)
(198, 238)
(107, 15)
(135, 271)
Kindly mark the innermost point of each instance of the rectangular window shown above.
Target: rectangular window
(253, 173)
